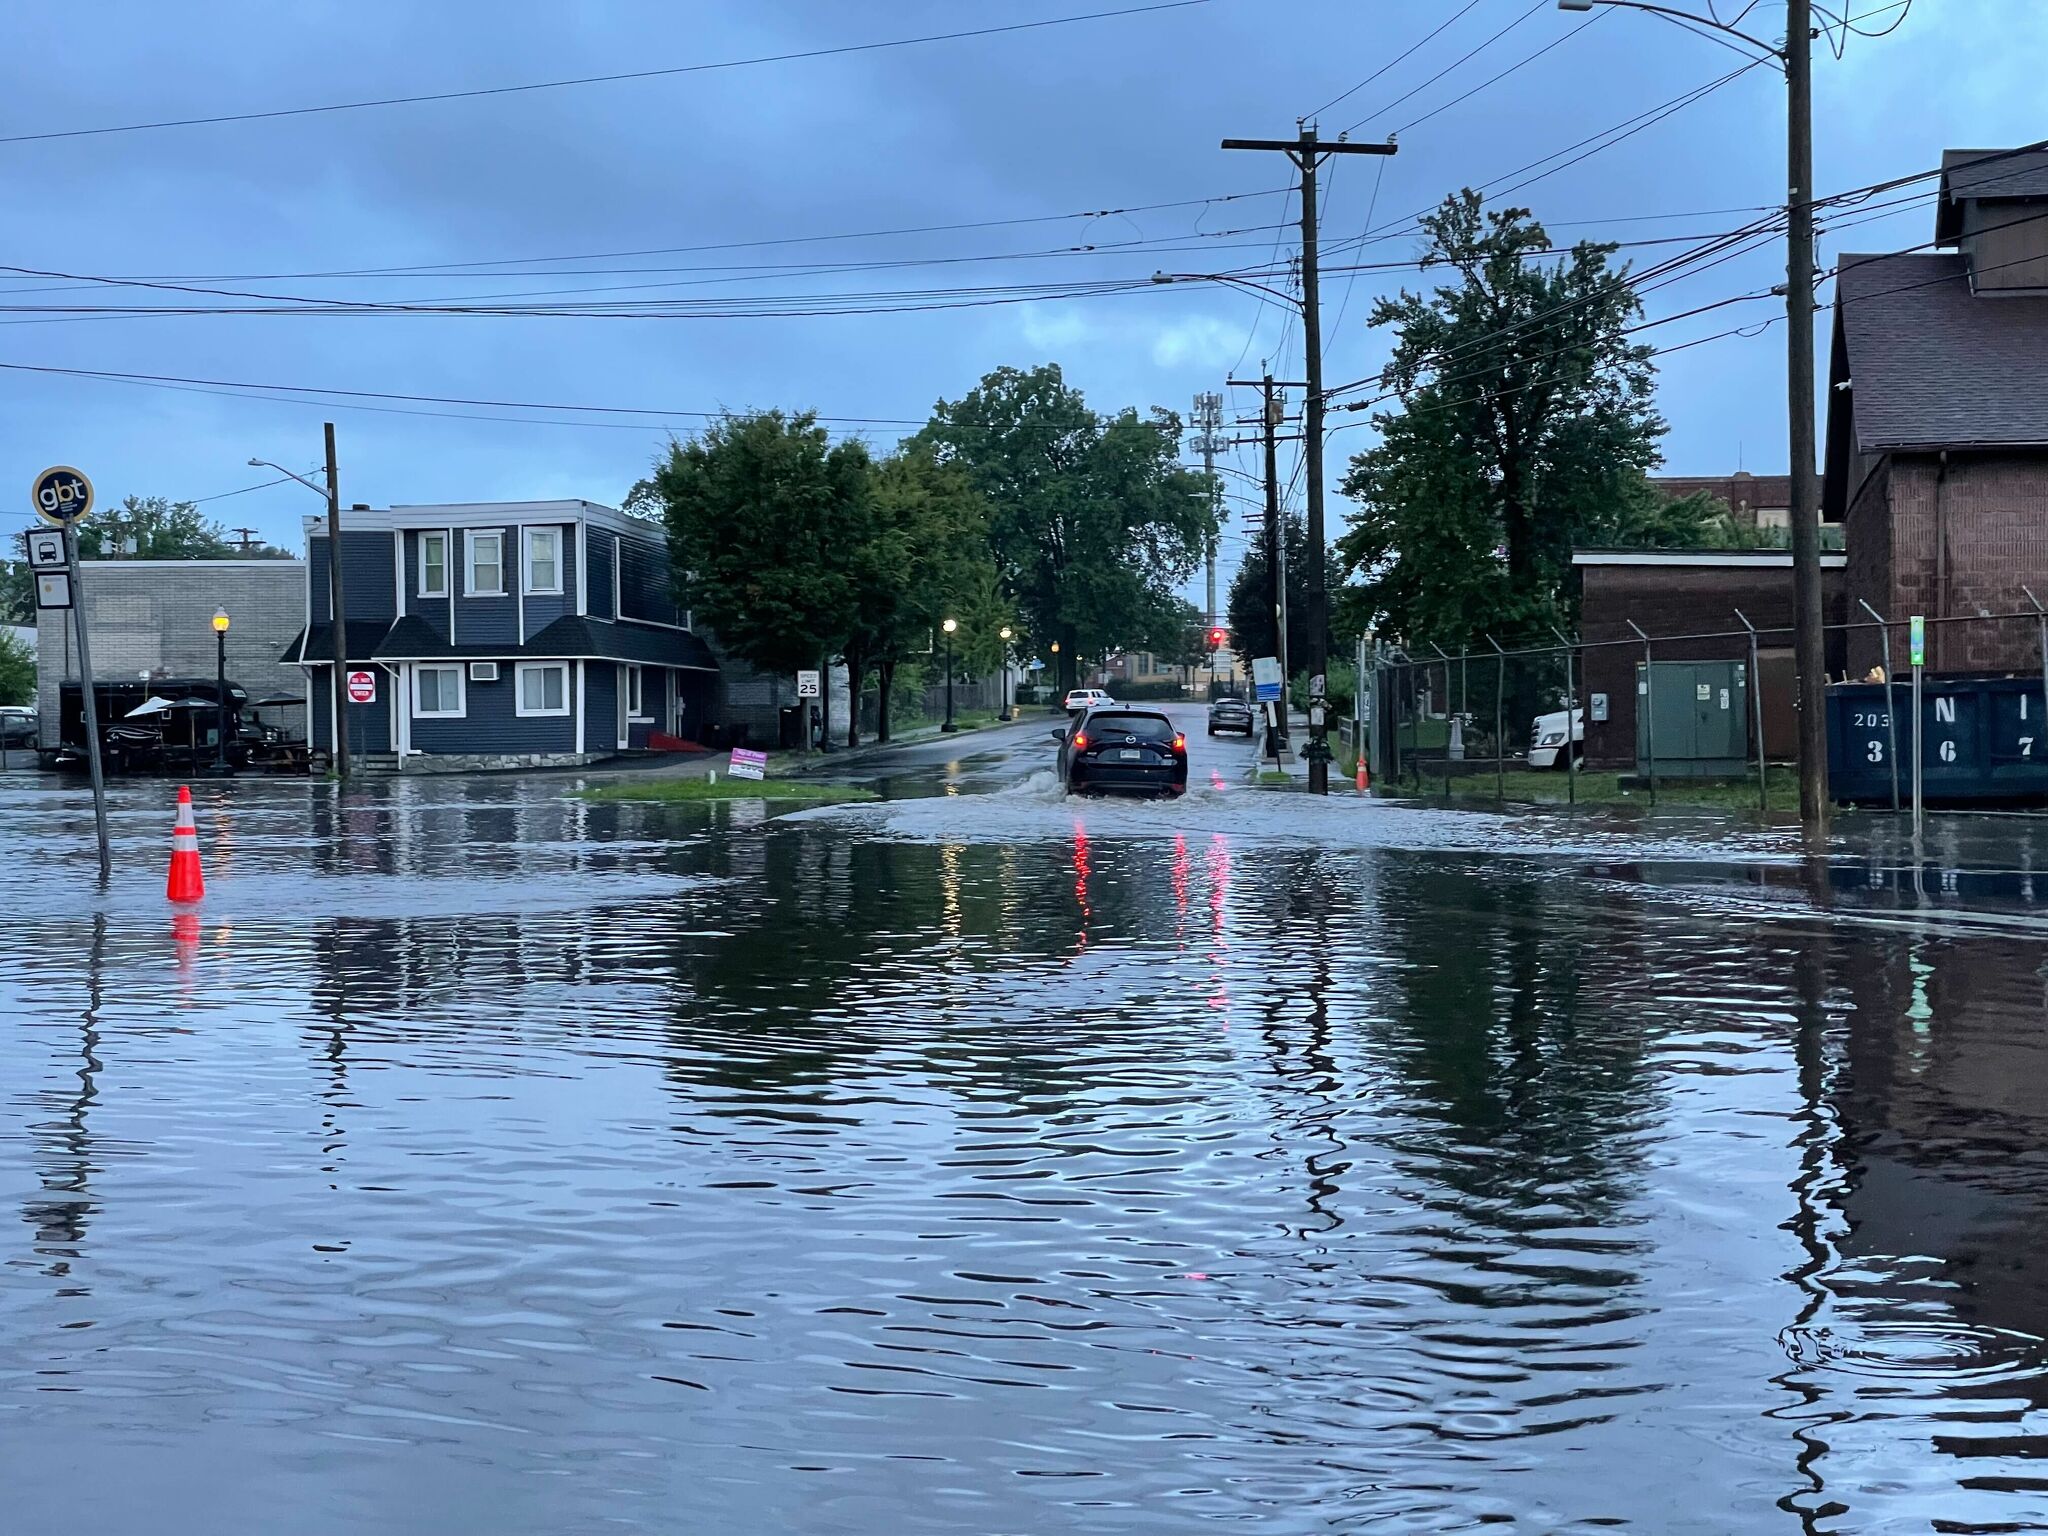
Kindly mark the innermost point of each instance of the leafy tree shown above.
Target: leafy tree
(1249, 608)
(17, 670)
(17, 593)
(155, 528)
(766, 520)
(929, 558)
(1526, 424)
(1092, 520)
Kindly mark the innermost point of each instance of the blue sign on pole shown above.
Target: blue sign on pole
(1266, 679)
(61, 496)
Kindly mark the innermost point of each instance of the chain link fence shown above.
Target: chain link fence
(1720, 706)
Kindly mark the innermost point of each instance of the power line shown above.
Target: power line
(609, 79)
(1527, 59)
(1400, 58)
(1454, 64)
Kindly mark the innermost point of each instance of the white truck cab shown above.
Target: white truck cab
(1546, 739)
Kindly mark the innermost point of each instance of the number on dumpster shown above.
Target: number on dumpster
(1947, 752)
(1877, 751)
(2026, 746)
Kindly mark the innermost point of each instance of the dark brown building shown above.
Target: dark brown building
(1692, 592)
(1753, 501)
(1937, 437)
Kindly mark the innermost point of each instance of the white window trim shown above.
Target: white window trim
(519, 671)
(426, 534)
(637, 675)
(469, 538)
(461, 709)
(526, 581)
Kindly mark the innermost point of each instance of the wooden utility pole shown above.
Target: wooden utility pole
(1307, 153)
(1809, 636)
(337, 609)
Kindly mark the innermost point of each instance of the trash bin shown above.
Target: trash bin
(1986, 740)
(789, 735)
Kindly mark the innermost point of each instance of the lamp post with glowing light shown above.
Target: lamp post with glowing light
(949, 626)
(1057, 703)
(220, 688)
(1004, 635)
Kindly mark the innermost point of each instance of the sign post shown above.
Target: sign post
(807, 688)
(1266, 689)
(1916, 642)
(62, 498)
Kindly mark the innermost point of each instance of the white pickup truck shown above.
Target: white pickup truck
(1546, 739)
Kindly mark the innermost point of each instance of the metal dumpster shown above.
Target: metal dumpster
(1986, 739)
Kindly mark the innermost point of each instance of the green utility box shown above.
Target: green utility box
(1699, 713)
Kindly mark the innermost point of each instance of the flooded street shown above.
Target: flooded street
(483, 1159)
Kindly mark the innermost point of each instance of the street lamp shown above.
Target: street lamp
(220, 688)
(949, 626)
(339, 696)
(1003, 634)
(1808, 635)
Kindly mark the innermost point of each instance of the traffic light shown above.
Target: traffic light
(1216, 639)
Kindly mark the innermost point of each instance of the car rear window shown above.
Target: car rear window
(1144, 727)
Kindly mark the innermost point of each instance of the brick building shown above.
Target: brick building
(1937, 434)
(1693, 592)
(1763, 502)
(156, 616)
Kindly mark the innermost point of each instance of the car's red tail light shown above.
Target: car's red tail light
(1180, 741)
(1080, 741)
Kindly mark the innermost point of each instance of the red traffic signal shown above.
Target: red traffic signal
(1216, 639)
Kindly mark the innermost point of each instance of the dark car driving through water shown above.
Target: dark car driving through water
(1137, 750)
(1230, 713)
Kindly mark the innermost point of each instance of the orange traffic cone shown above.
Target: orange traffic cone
(1364, 778)
(186, 882)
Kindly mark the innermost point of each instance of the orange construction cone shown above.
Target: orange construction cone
(186, 882)
(1364, 778)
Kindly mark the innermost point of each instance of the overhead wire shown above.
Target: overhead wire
(836, 51)
(1456, 63)
(1400, 58)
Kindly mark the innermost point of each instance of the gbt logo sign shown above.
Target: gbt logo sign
(61, 495)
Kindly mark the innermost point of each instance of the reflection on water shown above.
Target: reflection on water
(479, 1160)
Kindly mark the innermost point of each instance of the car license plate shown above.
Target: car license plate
(1129, 755)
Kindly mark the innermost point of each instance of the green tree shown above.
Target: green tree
(154, 528)
(1526, 424)
(17, 593)
(1092, 520)
(766, 518)
(1249, 607)
(928, 559)
(17, 670)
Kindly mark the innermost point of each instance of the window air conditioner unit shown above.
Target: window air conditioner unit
(483, 671)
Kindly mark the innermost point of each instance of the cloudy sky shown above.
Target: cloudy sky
(711, 214)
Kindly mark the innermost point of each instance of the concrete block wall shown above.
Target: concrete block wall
(143, 615)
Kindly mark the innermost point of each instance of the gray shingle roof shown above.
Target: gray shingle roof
(574, 635)
(1934, 366)
(1994, 173)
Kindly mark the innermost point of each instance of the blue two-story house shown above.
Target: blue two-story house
(502, 634)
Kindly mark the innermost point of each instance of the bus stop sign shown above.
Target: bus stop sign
(61, 496)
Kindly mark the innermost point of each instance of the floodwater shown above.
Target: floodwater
(482, 1160)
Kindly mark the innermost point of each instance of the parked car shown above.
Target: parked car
(1080, 699)
(1546, 740)
(18, 726)
(1230, 713)
(1119, 748)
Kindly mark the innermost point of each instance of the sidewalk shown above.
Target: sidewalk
(789, 765)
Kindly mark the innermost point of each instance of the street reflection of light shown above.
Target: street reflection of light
(949, 889)
(1216, 780)
(1081, 881)
(1218, 862)
(185, 934)
(1180, 887)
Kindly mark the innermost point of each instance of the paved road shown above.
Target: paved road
(983, 761)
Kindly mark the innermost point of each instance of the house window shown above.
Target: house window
(437, 693)
(543, 688)
(543, 559)
(486, 565)
(433, 565)
(636, 693)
